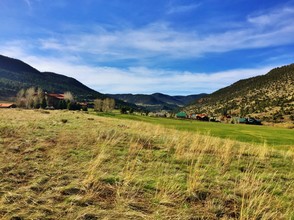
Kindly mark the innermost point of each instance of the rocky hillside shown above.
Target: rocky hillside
(269, 97)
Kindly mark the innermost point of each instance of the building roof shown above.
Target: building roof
(58, 96)
(201, 115)
(6, 105)
(242, 120)
(181, 114)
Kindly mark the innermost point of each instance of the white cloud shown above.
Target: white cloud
(155, 40)
(273, 28)
(274, 18)
(139, 79)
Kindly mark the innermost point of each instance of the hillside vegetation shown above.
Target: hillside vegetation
(73, 165)
(157, 101)
(16, 75)
(269, 97)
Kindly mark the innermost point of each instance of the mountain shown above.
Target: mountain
(269, 96)
(15, 75)
(157, 101)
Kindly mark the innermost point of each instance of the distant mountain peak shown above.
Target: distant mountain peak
(16, 74)
(15, 65)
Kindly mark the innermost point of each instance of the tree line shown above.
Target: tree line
(31, 98)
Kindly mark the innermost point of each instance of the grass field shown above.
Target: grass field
(246, 133)
(74, 165)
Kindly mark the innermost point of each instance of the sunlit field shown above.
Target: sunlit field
(75, 165)
(273, 136)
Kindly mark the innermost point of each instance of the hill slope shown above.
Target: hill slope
(15, 75)
(108, 168)
(157, 101)
(270, 96)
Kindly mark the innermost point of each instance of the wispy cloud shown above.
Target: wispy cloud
(172, 9)
(154, 41)
(161, 39)
(274, 18)
(28, 3)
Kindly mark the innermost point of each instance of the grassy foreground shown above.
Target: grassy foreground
(72, 165)
(273, 136)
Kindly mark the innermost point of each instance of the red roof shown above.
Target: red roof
(201, 115)
(6, 105)
(58, 96)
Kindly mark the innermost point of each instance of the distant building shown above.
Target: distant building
(251, 121)
(202, 117)
(181, 115)
(7, 105)
(53, 99)
(242, 120)
(192, 116)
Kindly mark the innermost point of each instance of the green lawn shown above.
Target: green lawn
(246, 133)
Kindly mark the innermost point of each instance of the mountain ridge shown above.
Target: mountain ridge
(16, 74)
(157, 101)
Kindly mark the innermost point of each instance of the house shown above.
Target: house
(242, 120)
(202, 117)
(181, 115)
(251, 121)
(7, 105)
(192, 116)
(53, 99)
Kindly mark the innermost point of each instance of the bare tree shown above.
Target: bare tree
(98, 104)
(111, 104)
(68, 96)
(108, 105)
(38, 98)
(20, 98)
(29, 95)
(105, 105)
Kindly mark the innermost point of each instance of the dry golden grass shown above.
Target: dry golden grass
(72, 165)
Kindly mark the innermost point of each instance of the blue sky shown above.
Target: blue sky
(176, 47)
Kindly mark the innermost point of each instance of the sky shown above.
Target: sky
(176, 47)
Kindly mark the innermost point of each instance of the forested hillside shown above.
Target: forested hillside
(16, 75)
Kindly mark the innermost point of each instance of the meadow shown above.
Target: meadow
(273, 136)
(75, 165)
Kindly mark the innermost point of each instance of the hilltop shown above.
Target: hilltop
(269, 97)
(15, 75)
(157, 101)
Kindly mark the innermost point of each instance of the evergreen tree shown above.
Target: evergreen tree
(43, 103)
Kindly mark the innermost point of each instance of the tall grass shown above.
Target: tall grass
(92, 168)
